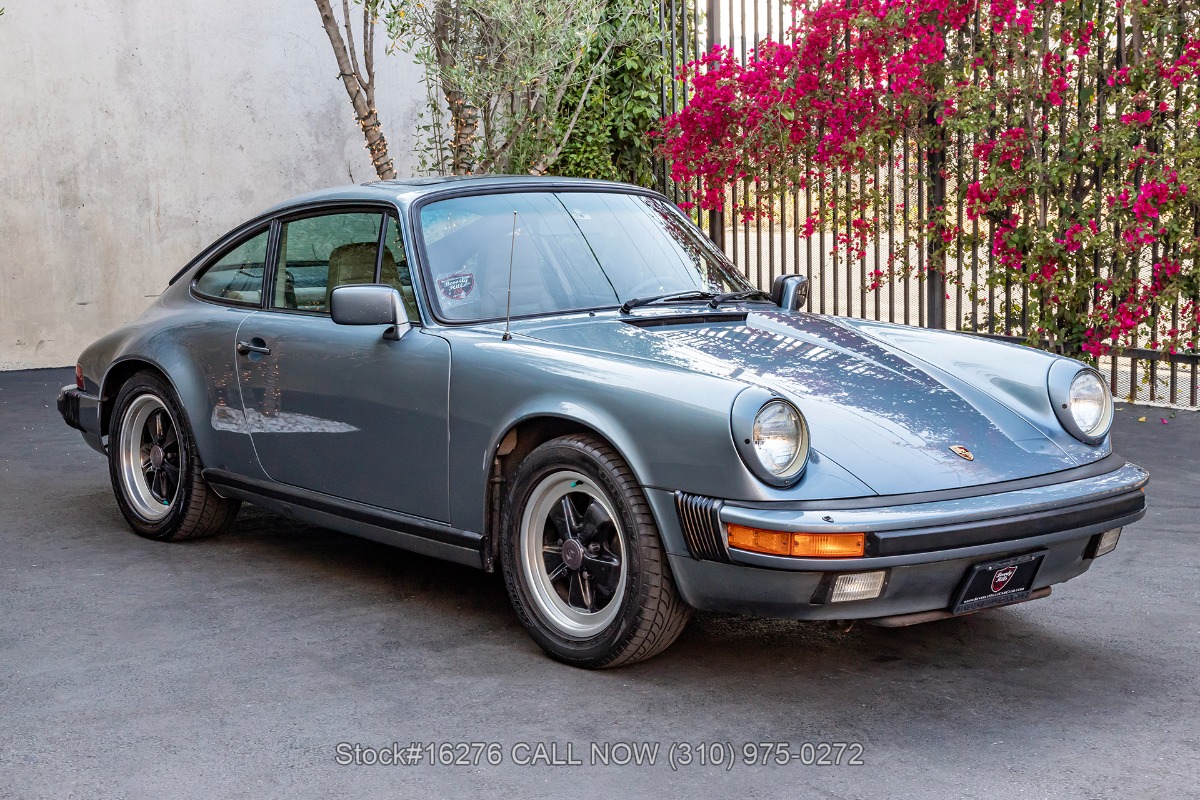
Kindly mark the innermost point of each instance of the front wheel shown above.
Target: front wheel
(155, 468)
(582, 558)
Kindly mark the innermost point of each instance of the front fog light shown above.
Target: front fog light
(1107, 542)
(858, 586)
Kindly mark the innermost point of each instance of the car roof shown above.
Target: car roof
(402, 191)
(409, 189)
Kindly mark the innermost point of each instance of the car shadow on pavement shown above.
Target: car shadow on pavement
(1027, 667)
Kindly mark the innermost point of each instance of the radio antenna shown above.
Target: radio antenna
(511, 251)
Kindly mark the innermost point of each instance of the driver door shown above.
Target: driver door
(339, 409)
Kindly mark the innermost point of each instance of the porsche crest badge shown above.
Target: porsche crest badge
(961, 452)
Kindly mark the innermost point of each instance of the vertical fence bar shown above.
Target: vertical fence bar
(891, 201)
(935, 267)
(746, 182)
(712, 27)
(774, 190)
(836, 251)
(758, 228)
(661, 164)
(673, 33)
(958, 255)
(975, 247)
(850, 199)
(821, 245)
(1118, 62)
(922, 230)
(732, 43)
(808, 242)
(904, 227)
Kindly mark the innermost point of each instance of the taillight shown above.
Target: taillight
(79, 376)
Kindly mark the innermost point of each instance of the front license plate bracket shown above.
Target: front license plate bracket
(998, 583)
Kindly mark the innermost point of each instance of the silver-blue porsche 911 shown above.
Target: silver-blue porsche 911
(564, 380)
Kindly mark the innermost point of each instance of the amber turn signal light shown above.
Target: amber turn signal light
(797, 545)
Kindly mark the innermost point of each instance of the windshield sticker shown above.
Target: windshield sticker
(456, 287)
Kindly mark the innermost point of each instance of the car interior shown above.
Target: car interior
(544, 277)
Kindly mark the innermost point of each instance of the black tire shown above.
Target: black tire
(194, 510)
(650, 613)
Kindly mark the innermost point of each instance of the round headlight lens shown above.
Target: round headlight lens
(778, 438)
(1089, 403)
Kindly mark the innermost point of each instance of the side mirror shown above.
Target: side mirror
(790, 292)
(369, 304)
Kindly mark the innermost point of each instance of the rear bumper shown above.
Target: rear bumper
(926, 548)
(81, 411)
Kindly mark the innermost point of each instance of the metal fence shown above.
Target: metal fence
(774, 243)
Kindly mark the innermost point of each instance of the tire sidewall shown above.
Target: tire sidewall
(553, 457)
(165, 528)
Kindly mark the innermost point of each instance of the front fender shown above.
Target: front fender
(672, 426)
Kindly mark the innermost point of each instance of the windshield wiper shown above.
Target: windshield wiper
(694, 294)
(748, 294)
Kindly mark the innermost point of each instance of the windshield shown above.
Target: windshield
(571, 251)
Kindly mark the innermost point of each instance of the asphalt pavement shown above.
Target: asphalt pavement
(235, 667)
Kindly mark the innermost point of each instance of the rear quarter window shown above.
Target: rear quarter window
(236, 276)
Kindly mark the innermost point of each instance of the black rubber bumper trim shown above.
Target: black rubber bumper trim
(68, 406)
(1014, 528)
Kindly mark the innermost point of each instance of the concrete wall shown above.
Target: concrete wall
(134, 132)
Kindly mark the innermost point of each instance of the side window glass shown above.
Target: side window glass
(395, 272)
(237, 275)
(318, 254)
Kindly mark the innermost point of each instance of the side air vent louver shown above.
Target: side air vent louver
(700, 519)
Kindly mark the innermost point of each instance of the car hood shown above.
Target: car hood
(887, 417)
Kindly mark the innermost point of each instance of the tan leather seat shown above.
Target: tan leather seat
(351, 264)
(354, 263)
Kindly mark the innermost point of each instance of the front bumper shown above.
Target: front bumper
(927, 548)
(81, 411)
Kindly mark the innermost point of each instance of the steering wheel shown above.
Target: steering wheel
(659, 285)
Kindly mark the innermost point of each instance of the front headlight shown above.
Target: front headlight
(1089, 403)
(778, 435)
(771, 437)
(1081, 401)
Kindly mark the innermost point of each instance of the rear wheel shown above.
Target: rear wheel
(155, 469)
(582, 558)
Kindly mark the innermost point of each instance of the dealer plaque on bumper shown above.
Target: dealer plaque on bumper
(997, 583)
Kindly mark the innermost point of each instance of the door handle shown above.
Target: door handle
(245, 347)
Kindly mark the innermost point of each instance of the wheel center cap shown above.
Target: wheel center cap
(156, 456)
(572, 553)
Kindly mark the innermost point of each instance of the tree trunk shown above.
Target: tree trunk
(361, 89)
(465, 123)
(464, 117)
